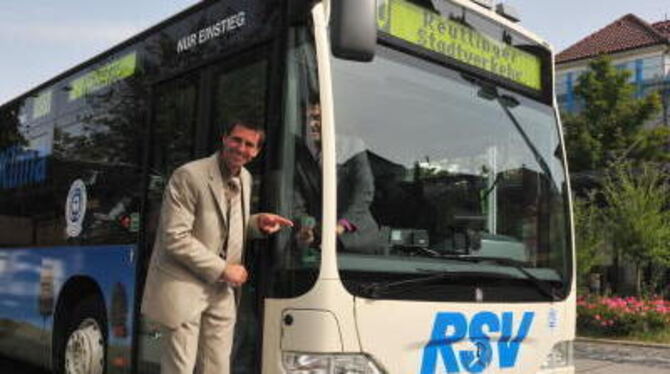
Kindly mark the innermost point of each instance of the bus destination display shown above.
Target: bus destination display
(429, 30)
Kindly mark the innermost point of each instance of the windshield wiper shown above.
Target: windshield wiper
(378, 289)
(505, 102)
(543, 286)
(490, 92)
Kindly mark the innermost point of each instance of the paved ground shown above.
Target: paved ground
(618, 358)
(590, 358)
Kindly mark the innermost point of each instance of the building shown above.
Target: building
(634, 45)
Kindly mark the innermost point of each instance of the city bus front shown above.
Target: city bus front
(446, 231)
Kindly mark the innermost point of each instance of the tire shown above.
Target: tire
(83, 344)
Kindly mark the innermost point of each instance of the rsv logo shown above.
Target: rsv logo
(450, 328)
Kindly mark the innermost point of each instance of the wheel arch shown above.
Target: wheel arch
(75, 290)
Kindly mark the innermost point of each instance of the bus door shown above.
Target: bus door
(175, 118)
(189, 115)
(238, 93)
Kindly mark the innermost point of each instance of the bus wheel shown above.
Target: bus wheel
(84, 344)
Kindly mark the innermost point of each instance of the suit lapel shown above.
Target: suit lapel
(215, 183)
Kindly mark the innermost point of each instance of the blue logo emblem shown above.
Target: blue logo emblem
(75, 208)
(451, 327)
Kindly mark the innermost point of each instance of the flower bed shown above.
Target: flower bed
(621, 317)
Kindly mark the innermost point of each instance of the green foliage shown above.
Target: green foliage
(609, 136)
(590, 238)
(611, 125)
(637, 218)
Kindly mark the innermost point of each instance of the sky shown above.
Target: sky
(42, 38)
(565, 22)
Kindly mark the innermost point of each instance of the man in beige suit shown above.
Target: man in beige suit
(196, 260)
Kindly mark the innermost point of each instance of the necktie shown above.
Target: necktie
(235, 240)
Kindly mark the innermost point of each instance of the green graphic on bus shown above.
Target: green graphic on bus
(104, 76)
(42, 104)
(429, 30)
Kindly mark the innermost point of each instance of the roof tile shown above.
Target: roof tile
(628, 32)
(663, 27)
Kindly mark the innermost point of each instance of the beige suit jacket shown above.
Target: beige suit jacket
(185, 264)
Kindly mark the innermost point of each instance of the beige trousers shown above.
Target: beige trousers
(204, 343)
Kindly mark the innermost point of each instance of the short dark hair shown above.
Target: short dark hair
(247, 125)
(311, 99)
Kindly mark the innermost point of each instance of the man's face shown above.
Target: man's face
(314, 122)
(240, 147)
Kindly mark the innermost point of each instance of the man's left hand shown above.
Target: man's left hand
(270, 223)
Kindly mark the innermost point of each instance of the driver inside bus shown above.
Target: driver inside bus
(357, 230)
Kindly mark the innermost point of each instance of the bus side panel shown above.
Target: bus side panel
(32, 283)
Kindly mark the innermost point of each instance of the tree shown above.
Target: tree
(611, 124)
(590, 237)
(610, 137)
(636, 216)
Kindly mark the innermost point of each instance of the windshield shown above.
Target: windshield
(438, 172)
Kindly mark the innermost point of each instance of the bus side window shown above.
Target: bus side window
(22, 173)
(84, 164)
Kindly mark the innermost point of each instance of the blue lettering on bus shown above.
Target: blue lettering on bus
(452, 327)
(21, 167)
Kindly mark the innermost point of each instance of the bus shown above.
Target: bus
(416, 144)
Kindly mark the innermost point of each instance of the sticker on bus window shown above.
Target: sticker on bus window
(75, 208)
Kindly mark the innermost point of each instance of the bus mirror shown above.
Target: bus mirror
(353, 29)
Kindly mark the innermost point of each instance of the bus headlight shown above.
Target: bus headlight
(560, 356)
(325, 363)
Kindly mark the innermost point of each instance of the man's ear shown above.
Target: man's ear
(259, 148)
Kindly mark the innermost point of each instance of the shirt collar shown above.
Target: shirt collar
(226, 174)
